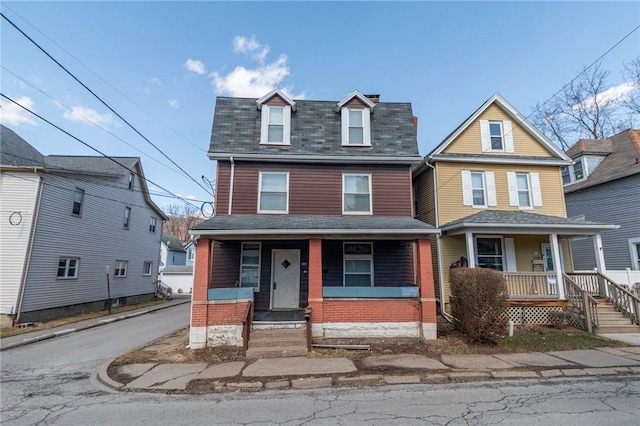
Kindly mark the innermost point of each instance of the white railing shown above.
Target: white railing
(532, 284)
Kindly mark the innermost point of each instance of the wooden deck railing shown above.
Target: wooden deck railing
(583, 304)
(247, 319)
(587, 281)
(532, 284)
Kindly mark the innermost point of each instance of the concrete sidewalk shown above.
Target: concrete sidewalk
(36, 336)
(311, 372)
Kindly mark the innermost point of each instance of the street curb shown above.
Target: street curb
(98, 323)
(103, 376)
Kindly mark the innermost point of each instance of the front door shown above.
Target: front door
(549, 266)
(285, 279)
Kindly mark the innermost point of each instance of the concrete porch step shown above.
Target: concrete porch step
(629, 328)
(276, 352)
(277, 342)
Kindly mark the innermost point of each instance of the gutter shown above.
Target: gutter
(447, 316)
(32, 237)
(316, 158)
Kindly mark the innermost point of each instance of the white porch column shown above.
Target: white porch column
(471, 250)
(597, 247)
(557, 265)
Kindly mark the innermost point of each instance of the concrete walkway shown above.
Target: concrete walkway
(50, 333)
(311, 372)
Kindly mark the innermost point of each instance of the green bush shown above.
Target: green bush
(479, 302)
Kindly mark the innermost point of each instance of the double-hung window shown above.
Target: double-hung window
(578, 171)
(356, 127)
(524, 190)
(478, 189)
(131, 181)
(127, 217)
(152, 224)
(356, 194)
(78, 199)
(68, 267)
(146, 268)
(358, 264)
(120, 269)
(489, 253)
(273, 196)
(276, 125)
(250, 266)
(496, 136)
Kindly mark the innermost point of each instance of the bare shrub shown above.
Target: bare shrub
(479, 302)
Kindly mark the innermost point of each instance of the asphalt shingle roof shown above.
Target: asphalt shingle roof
(290, 222)
(173, 243)
(315, 130)
(501, 217)
(15, 151)
(88, 164)
(623, 160)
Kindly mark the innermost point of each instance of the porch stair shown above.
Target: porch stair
(611, 321)
(277, 342)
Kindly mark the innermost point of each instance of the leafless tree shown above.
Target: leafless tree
(631, 74)
(181, 218)
(584, 108)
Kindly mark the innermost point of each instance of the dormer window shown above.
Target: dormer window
(578, 171)
(275, 128)
(355, 114)
(574, 173)
(497, 136)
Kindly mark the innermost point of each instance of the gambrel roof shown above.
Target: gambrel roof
(316, 134)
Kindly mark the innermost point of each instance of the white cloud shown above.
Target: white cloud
(174, 103)
(88, 115)
(12, 115)
(251, 47)
(613, 95)
(253, 82)
(195, 66)
(156, 82)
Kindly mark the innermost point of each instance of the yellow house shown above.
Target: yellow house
(494, 189)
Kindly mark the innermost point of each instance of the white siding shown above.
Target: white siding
(18, 192)
(97, 238)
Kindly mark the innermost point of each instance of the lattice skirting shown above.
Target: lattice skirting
(521, 315)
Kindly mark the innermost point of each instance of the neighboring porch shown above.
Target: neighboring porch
(356, 279)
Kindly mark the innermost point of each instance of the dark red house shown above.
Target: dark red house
(313, 212)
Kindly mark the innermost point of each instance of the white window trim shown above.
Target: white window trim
(366, 126)
(117, 268)
(535, 190)
(506, 131)
(126, 223)
(66, 268)
(131, 181)
(346, 257)
(489, 189)
(255, 289)
(150, 268)
(153, 222)
(286, 210)
(286, 125)
(572, 172)
(635, 263)
(81, 191)
(529, 191)
(344, 175)
(504, 254)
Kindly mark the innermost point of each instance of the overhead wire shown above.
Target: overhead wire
(101, 100)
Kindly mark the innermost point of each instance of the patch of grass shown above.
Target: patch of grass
(555, 340)
(15, 331)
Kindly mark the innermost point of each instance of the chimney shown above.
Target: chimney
(373, 98)
(415, 124)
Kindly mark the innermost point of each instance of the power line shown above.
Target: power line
(89, 121)
(102, 101)
(94, 149)
(104, 81)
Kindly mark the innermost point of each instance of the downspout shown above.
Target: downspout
(32, 235)
(445, 314)
(233, 173)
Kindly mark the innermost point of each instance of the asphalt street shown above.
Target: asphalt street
(53, 382)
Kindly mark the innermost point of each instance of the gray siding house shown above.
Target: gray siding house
(66, 221)
(603, 184)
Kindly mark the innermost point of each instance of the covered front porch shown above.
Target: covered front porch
(348, 277)
(533, 252)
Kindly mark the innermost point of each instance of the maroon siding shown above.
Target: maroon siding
(315, 189)
(392, 263)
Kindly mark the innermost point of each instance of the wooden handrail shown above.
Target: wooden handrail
(246, 326)
(632, 303)
(584, 302)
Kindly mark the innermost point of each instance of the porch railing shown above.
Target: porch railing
(532, 284)
(246, 326)
(598, 284)
(583, 304)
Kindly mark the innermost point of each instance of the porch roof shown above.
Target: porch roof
(519, 222)
(303, 227)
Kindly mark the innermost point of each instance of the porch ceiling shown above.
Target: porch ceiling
(518, 222)
(304, 227)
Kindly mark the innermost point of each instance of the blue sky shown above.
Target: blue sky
(161, 65)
